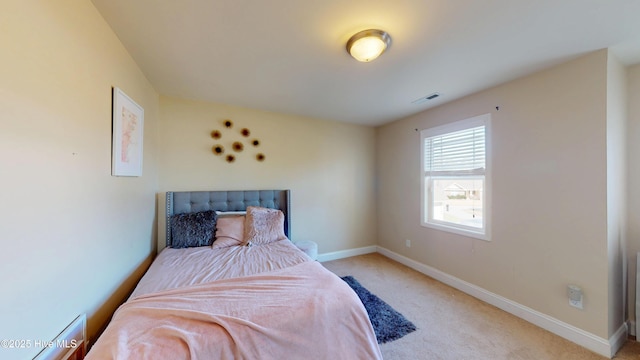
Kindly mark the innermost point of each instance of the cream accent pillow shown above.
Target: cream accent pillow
(229, 232)
(263, 225)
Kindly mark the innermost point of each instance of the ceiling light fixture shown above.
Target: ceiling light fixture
(368, 44)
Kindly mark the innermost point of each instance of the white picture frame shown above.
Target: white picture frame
(127, 135)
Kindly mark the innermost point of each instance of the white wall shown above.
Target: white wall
(328, 166)
(549, 186)
(74, 238)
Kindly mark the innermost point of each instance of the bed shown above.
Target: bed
(250, 294)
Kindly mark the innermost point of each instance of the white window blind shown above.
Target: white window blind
(459, 152)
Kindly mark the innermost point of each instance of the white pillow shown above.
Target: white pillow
(230, 213)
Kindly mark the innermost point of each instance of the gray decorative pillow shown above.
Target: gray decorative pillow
(193, 229)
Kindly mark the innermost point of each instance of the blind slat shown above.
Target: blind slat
(457, 151)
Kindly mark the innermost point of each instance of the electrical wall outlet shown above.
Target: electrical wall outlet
(575, 296)
(407, 242)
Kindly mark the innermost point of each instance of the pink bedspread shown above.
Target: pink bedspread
(174, 268)
(299, 312)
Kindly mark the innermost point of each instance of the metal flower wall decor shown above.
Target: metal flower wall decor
(235, 140)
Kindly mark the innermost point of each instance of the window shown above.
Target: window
(455, 186)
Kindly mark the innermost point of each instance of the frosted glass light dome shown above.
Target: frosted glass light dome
(367, 45)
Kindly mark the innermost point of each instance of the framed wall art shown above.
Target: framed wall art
(127, 136)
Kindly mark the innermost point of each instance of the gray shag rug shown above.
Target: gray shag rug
(388, 324)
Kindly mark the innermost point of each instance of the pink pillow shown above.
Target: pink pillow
(229, 232)
(263, 226)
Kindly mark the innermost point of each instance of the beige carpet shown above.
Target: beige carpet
(454, 325)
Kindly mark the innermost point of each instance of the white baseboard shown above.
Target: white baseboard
(617, 340)
(347, 253)
(631, 325)
(604, 347)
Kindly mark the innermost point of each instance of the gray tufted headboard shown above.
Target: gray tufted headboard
(182, 202)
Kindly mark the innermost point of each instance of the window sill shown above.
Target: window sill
(458, 231)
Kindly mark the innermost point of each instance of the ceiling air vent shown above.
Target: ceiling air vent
(426, 98)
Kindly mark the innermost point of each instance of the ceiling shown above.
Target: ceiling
(289, 56)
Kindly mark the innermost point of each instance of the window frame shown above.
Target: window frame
(426, 202)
